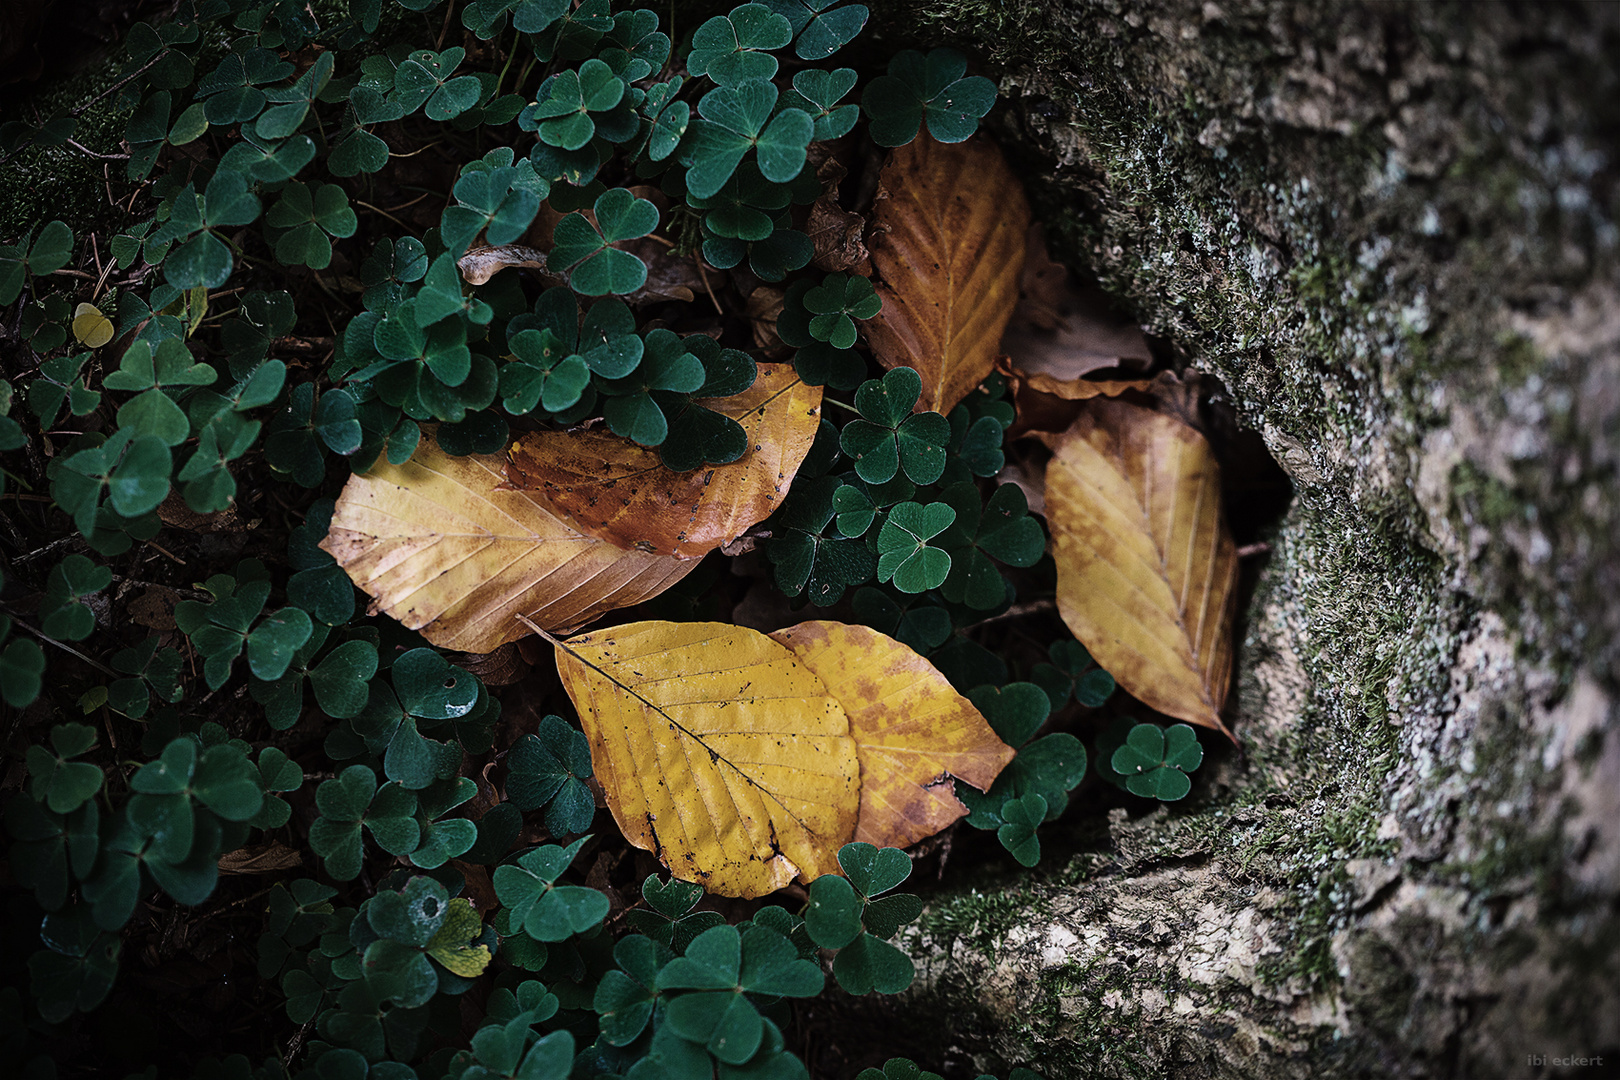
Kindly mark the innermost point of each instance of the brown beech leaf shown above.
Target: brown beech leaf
(621, 492)
(947, 240)
(912, 730)
(444, 546)
(1147, 572)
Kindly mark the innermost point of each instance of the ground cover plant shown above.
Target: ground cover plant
(610, 359)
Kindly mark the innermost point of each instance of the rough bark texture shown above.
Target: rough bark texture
(1390, 230)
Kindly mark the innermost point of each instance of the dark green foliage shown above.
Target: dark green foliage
(272, 305)
(1073, 672)
(1047, 767)
(1154, 761)
(889, 438)
(849, 914)
(549, 769)
(933, 88)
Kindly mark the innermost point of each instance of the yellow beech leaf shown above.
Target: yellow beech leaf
(1146, 569)
(450, 944)
(718, 751)
(91, 328)
(443, 546)
(912, 730)
(947, 240)
(620, 491)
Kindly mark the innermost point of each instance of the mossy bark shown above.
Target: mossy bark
(1390, 231)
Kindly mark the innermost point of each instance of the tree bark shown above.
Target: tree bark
(1390, 231)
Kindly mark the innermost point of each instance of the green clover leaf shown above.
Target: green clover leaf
(545, 910)
(922, 627)
(57, 781)
(817, 92)
(1021, 817)
(549, 769)
(736, 119)
(564, 112)
(627, 995)
(904, 554)
(931, 88)
(822, 27)
(76, 969)
(65, 616)
(1000, 529)
(541, 373)
(670, 919)
(725, 964)
(836, 303)
(1155, 761)
(351, 801)
(807, 561)
(1073, 671)
(425, 79)
(735, 48)
(585, 251)
(889, 438)
(310, 216)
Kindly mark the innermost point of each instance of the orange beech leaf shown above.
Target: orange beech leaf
(947, 240)
(441, 544)
(1147, 572)
(717, 750)
(912, 730)
(621, 492)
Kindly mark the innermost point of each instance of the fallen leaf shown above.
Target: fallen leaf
(764, 305)
(838, 238)
(91, 328)
(1084, 389)
(1147, 571)
(272, 858)
(621, 492)
(443, 546)
(154, 608)
(503, 667)
(718, 751)
(947, 240)
(669, 276)
(482, 263)
(1043, 287)
(912, 730)
(1061, 331)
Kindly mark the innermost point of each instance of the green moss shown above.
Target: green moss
(39, 184)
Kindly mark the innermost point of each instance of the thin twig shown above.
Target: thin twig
(1018, 611)
(98, 665)
(102, 157)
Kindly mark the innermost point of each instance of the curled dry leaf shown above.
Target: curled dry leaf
(717, 751)
(1147, 572)
(764, 305)
(838, 238)
(1061, 331)
(621, 492)
(272, 858)
(912, 730)
(669, 276)
(503, 667)
(947, 240)
(482, 263)
(443, 546)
